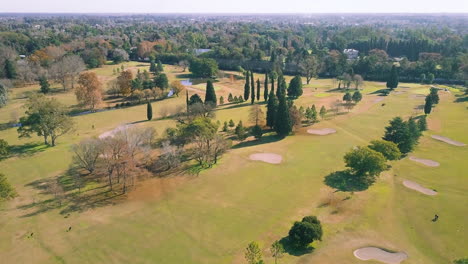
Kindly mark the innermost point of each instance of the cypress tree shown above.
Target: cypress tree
(45, 86)
(271, 109)
(252, 88)
(187, 100)
(265, 89)
(428, 105)
(247, 86)
(160, 67)
(210, 95)
(279, 87)
(152, 66)
(283, 124)
(273, 76)
(149, 111)
(258, 89)
(295, 87)
(230, 98)
(392, 82)
(10, 70)
(434, 95)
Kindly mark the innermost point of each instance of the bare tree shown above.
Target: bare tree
(256, 115)
(309, 67)
(183, 64)
(358, 81)
(86, 154)
(67, 69)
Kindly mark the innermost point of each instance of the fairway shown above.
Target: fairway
(212, 216)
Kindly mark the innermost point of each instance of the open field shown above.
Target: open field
(210, 218)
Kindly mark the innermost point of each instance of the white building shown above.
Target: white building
(351, 53)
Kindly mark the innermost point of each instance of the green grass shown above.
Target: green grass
(212, 217)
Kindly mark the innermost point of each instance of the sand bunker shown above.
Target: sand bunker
(449, 141)
(419, 188)
(267, 157)
(426, 162)
(321, 132)
(379, 99)
(112, 132)
(378, 254)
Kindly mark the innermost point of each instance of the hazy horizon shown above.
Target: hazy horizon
(237, 7)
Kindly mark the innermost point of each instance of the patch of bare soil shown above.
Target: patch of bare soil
(448, 140)
(426, 162)
(271, 158)
(321, 132)
(369, 253)
(417, 187)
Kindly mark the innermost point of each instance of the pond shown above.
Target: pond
(193, 81)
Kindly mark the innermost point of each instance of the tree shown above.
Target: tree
(4, 148)
(221, 100)
(231, 123)
(161, 81)
(66, 69)
(434, 95)
(296, 117)
(283, 124)
(277, 250)
(258, 89)
(89, 90)
(3, 95)
(160, 67)
(265, 88)
(45, 117)
(272, 109)
(210, 95)
(6, 190)
(308, 67)
(253, 254)
(119, 55)
(422, 78)
(295, 87)
(149, 111)
(10, 69)
(323, 112)
(365, 164)
(86, 154)
(392, 81)
(241, 132)
(256, 115)
(257, 131)
(225, 126)
(125, 82)
(247, 86)
(398, 133)
(357, 97)
(430, 78)
(414, 130)
(305, 232)
(311, 114)
(388, 149)
(422, 123)
(252, 87)
(206, 68)
(230, 98)
(273, 76)
(177, 87)
(45, 86)
(347, 97)
(358, 81)
(152, 67)
(195, 99)
(428, 105)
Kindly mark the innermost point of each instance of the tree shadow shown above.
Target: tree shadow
(292, 249)
(27, 149)
(345, 181)
(461, 98)
(263, 140)
(382, 92)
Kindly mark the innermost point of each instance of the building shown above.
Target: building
(351, 53)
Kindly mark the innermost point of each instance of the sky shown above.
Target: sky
(234, 6)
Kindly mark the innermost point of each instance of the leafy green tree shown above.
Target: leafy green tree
(265, 88)
(414, 130)
(4, 148)
(253, 253)
(277, 250)
(434, 95)
(305, 232)
(210, 95)
(365, 164)
(247, 86)
(149, 111)
(6, 190)
(283, 124)
(10, 69)
(257, 131)
(388, 149)
(272, 108)
(160, 67)
(323, 112)
(161, 81)
(422, 123)
(231, 123)
(347, 97)
(392, 81)
(258, 89)
(398, 133)
(204, 67)
(357, 97)
(430, 78)
(295, 87)
(152, 67)
(225, 126)
(241, 131)
(428, 105)
(45, 117)
(3, 95)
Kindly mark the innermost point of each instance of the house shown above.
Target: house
(201, 51)
(351, 53)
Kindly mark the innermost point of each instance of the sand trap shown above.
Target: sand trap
(448, 140)
(112, 132)
(426, 162)
(378, 254)
(267, 157)
(321, 132)
(378, 100)
(419, 188)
